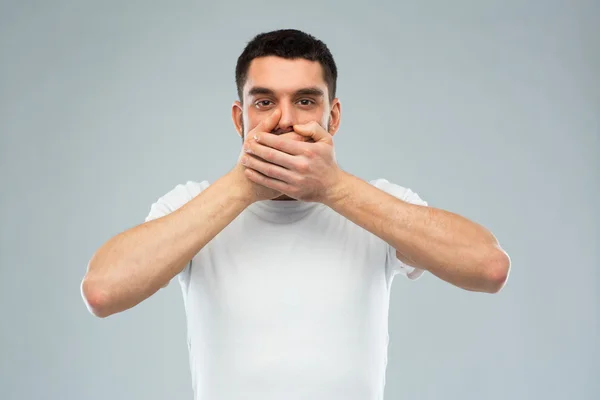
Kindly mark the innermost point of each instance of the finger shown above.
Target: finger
(265, 181)
(278, 149)
(296, 136)
(268, 169)
(267, 124)
(270, 154)
(314, 131)
(290, 135)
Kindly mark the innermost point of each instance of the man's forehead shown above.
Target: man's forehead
(285, 75)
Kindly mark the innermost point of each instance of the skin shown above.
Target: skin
(288, 154)
(294, 90)
(449, 246)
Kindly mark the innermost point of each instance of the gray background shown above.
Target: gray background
(488, 109)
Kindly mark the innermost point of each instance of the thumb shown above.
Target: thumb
(269, 123)
(313, 130)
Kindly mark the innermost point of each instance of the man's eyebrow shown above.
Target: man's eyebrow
(257, 90)
(263, 91)
(311, 91)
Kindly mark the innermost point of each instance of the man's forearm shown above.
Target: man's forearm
(133, 265)
(448, 245)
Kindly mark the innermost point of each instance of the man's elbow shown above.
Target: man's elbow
(497, 271)
(95, 298)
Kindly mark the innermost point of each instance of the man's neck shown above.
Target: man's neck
(284, 197)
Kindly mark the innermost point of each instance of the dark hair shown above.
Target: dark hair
(290, 44)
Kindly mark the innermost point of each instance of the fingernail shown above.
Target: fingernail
(244, 160)
(256, 138)
(248, 150)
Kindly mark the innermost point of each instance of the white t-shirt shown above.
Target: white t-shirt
(289, 301)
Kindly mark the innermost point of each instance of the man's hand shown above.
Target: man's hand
(254, 191)
(303, 171)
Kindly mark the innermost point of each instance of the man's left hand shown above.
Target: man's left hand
(302, 170)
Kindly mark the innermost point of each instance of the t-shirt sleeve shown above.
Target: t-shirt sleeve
(173, 200)
(393, 264)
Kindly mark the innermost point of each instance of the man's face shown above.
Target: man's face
(295, 86)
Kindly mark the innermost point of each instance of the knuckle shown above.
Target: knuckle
(308, 153)
(303, 167)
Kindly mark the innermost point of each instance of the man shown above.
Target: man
(286, 262)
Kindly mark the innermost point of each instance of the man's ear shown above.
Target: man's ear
(335, 116)
(237, 116)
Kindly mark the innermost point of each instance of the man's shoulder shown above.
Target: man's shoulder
(401, 192)
(180, 194)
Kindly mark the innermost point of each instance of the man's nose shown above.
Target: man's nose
(287, 120)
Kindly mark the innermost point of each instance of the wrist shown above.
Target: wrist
(238, 186)
(339, 190)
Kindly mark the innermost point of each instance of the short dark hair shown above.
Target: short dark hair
(290, 44)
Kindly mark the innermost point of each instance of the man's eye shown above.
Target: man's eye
(263, 103)
(306, 102)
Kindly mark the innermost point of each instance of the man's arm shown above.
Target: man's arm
(448, 245)
(133, 265)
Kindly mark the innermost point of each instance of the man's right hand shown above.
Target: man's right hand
(254, 191)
